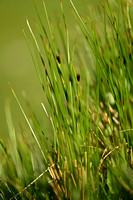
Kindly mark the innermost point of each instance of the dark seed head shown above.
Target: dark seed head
(78, 77)
(124, 61)
(56, 153)
(58, 59)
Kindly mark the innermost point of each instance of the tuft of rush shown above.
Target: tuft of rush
(88, 152)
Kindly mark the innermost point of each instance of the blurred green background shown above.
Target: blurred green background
(15, 62)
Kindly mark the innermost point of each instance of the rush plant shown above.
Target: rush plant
(89, 89)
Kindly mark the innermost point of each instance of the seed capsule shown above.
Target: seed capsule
(58, 59)
(56, 153)
(78, 77)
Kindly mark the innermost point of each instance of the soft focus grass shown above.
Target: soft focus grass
(88, 85)
(18, 66)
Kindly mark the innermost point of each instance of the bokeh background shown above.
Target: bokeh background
(16, 64)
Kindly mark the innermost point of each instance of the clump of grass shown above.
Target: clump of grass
(91, 155)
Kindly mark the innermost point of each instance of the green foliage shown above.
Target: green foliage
(91, 109)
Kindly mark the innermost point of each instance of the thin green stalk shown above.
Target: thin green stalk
(33, 58)
(34, 135)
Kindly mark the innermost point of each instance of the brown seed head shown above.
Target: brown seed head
(58, 59)
(78, 77)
